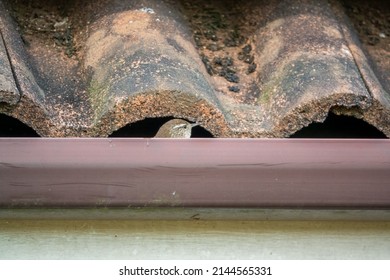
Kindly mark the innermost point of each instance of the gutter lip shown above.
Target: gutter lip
(194, 173)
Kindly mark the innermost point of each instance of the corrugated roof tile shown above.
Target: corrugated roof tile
(107, 64)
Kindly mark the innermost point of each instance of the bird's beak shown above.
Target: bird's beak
(194, 124)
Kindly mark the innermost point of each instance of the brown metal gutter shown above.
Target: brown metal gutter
(194, 173)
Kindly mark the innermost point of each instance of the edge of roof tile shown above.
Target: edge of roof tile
(28, 106)
(378, 114)
(9, 92)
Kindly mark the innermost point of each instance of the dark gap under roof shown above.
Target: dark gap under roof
(11, 127)
(149, 127)
(339, 127)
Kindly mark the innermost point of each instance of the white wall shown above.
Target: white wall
(193, 239)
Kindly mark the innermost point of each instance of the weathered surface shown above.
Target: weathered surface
(305, 68)
(378, 114)
(143, 64)
(9, 93)
(246, 69)
(28, 106)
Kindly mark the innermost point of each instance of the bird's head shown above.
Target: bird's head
(176, 128)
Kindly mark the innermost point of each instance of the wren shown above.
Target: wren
(176, 128)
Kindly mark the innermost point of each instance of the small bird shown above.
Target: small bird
(176, 128)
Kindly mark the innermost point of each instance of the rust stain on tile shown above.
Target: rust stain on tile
(238, 68)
